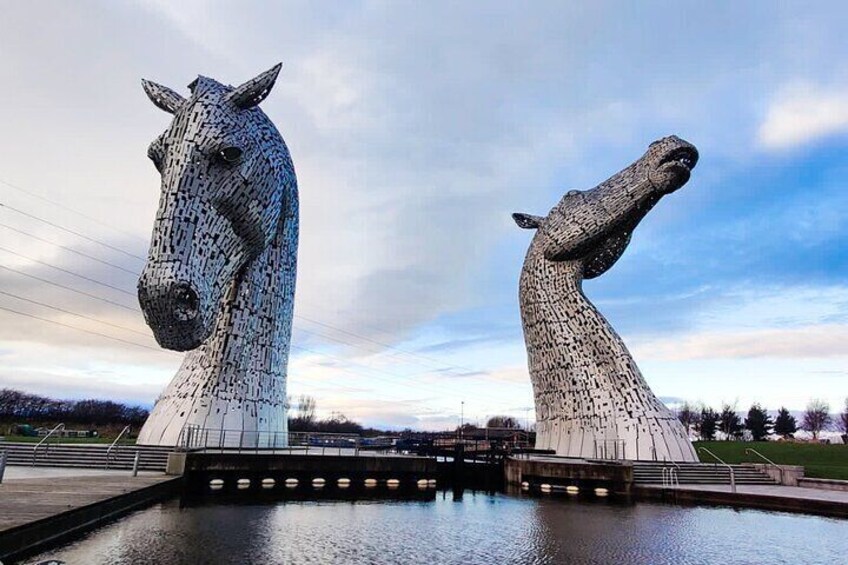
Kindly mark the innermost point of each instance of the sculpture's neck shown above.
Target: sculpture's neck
(253, 330)
(558, 303)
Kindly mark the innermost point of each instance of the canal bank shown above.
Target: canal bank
(782, 498)
(43, 509)
(50, 509)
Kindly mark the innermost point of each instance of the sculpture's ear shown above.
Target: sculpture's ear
(255, 90)
(164, 98)
(527, 221)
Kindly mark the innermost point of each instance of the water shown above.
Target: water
(486, 529)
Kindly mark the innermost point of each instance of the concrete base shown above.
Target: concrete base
(201, 467)
(766, 497)
(786, 475)
(617, 476)
(176, 463)
(824, 484)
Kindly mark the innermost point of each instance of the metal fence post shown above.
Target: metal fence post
(135, 463)
(2, 464)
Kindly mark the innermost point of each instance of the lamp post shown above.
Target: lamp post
(461, 418)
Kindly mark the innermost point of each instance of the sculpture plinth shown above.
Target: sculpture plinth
(591, 399)
(219, 280)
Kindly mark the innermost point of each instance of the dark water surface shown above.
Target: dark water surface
(486, 529)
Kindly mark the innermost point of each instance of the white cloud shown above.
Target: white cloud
(802, 113)
(415, 131)
(821, 341)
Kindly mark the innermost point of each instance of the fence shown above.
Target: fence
(215, 439)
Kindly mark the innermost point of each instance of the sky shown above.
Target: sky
(416, 130)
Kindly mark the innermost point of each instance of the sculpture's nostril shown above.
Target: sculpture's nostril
(185, 302)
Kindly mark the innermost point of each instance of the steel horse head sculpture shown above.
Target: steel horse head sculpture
(220, 276)
(591, 398)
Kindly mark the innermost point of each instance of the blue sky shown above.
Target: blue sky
(416, 130)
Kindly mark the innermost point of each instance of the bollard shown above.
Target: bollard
(135, 463)
(2, 464)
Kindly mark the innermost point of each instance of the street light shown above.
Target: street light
(461, 418)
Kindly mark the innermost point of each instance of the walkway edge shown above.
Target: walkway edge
(741, 500)
(33, 537)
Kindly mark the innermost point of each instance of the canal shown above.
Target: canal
(474, 528)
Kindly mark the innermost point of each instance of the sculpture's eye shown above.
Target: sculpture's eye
(230, 155)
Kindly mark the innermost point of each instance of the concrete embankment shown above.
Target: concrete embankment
(616, 477)
(37, 513)
(252, 469)
(764, 497)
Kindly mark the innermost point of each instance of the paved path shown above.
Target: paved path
(28, 500)
(773, 497)
(17, 472)
(797, 493)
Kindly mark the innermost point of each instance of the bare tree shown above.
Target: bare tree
(502, 422)
(303, 417)
(689, 416)
(816, 417)
(843, 419)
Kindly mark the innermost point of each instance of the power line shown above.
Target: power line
(394, 376)
(95, 297)
(49, 321)
(31, 301)
(89, 279)
(86, 255)
(68, 230)
(71, 210)
(395, 379)
(434, 364)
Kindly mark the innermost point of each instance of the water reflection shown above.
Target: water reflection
(478, 528)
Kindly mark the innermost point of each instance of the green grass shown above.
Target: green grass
(30, 439)
(819, 461)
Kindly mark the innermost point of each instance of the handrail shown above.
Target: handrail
(667, 461)
(109, 451)
(670, 477)
(195, 437)
(716, 457)
(56, 428)
(767, 460)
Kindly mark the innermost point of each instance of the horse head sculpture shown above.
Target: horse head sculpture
(591, 398)
(219, 279)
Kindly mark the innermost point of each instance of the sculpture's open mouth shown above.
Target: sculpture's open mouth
(682, 157)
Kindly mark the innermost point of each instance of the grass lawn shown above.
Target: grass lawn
(53, 440)
(819, 461)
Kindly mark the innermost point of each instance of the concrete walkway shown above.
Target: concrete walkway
(769, 497)
(18, 472)
(43, 505)
(796, 493)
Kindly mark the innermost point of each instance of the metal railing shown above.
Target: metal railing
(243, 441)
(44, 440)
(610, 449)
(767, 460)
(671, 475)
(670, 478)
(716, 457)
(113, 444)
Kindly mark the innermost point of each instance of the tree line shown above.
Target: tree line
(22, 407)
(302, 419)
(706, 423)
